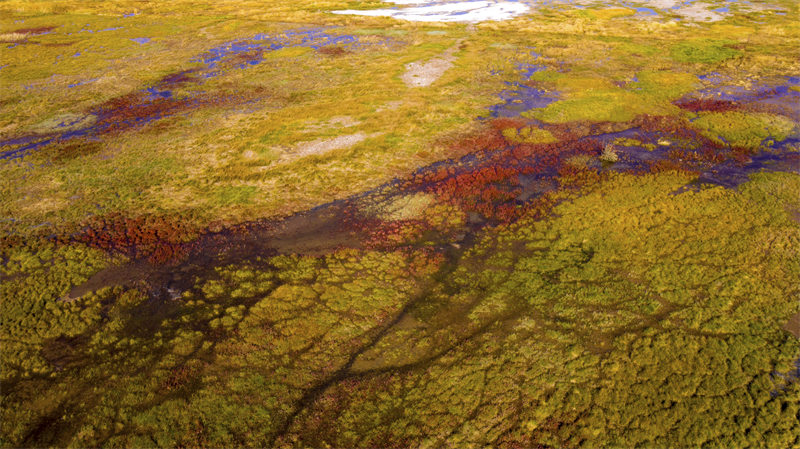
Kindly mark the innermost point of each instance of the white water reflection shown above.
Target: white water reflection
(472, 11)
(437, 11)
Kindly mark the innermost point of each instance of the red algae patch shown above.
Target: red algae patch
(707, 104)
(160, 239)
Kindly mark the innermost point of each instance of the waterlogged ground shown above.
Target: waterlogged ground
(419, 224)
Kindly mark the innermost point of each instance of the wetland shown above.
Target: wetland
(525, 224)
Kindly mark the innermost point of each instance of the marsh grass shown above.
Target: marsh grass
(356, 84)
(625, 311)
(12, 37)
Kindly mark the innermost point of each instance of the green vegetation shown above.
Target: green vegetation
(745, 130)
(32, 313)
(529, 134)
(643, 328)
(624, 141)
(705, 51)
(583, 334)
(236, 195)
(558, 286)
(180, 163)
(592, 98)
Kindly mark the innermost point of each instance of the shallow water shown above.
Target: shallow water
(474, 11)
(519, 98)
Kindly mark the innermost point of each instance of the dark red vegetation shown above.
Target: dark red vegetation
(332, 51)
(666, 165)
(138, 108)
(246, 57)
(772, 100)
(57, 44)
(177, 79)
(144, 106)
(35, 31)
(703, 155)
(500, 172)
(160, 239)
(487, 138)
(707, 104)
(494, 180)
(674, 127)
(508, 122)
